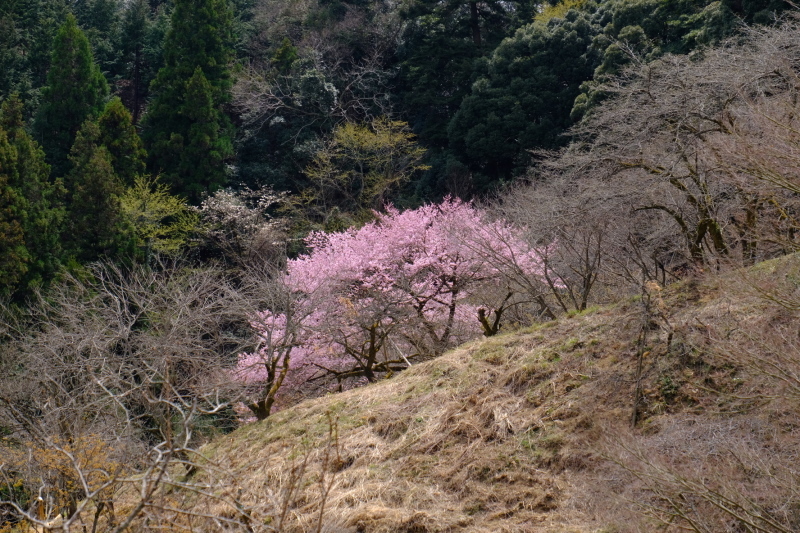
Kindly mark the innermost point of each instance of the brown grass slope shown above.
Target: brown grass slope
(532, 430)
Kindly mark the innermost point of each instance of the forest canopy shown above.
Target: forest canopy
(255, 94)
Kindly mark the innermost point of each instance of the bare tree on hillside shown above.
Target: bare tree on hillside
(110, 385)
(113, 374)
(731, 466)
(688, 164)
(680, 141)
(580, 229)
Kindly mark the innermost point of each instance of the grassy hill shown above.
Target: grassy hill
(535, 430)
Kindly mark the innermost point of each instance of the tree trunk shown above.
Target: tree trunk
(137, 81)
(474, 23)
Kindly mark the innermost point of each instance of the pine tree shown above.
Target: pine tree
(76, 89)
(96, 226)
(522, 100)
(442, 41)
(199, 40)
(43, 208)
(119, 136)
(285, 56)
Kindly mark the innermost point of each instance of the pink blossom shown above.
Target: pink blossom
(407, 285)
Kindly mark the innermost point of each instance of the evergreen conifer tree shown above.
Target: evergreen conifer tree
(101, 22)
(76, 89)
(42, 200)
(206, 146)
(136, 24)
(13, 253)
(285, 56)
(27, 30)
(523, 98)
(96, 226)
(119, 136)
(197, 52)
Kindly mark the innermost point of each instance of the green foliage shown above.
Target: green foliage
(12, 489)
(135, 26)
(162, 222)
(199, 153)
(244, 25)
(558, 10)
(480, 84)
(442, 40)
(483, 108)
(311, 65)
(442, 44)
(435, 76)
(27, 29)
(101, 21)
(647, 29)
(41, 213)
(358, 167)
(524, 96)
(757, 11)
(13, 254)
(189, 137)
(308, 103)
(142, 52)
(119, 136)
(484, 23)
(76, 89)
(208, 145)
(650, 28)
(285, 56)
(95, 226)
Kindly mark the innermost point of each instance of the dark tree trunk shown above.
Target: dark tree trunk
(137, 81)
(474, 23)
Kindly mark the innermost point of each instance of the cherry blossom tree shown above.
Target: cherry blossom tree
(405, 287)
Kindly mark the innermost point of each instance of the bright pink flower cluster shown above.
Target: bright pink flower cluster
(407, 285)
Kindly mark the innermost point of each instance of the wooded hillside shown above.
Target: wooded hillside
(227, 213)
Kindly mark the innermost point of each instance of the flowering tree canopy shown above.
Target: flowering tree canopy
(407, 286)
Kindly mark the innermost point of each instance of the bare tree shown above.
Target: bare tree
(578, 228)
(320, 93)
(329, 82)
(237, 229)
(113, 373)
(113, 381)
(730, 481)
(655, 157)
(734, 471)
(688, 164)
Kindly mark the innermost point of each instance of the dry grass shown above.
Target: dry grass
(530, 431)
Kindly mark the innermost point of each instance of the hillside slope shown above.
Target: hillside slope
(532, 430)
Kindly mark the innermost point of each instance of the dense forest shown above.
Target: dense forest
(213, 209)
(343, 106)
